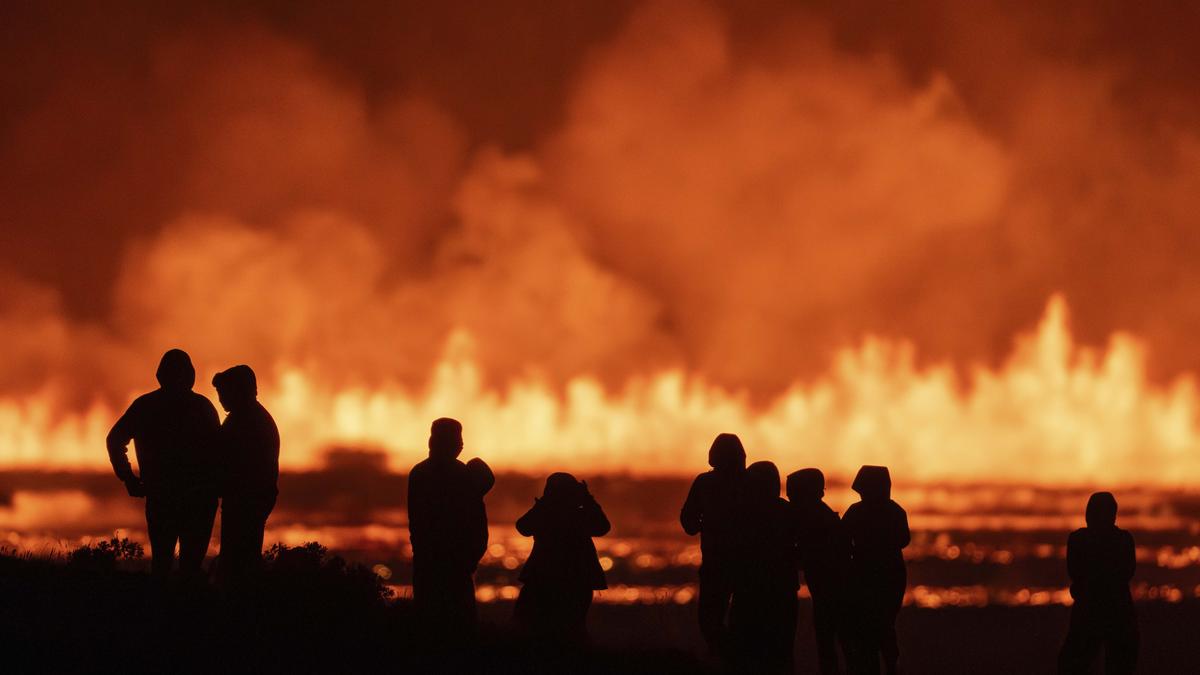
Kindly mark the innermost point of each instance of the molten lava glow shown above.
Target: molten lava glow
(1053, 413)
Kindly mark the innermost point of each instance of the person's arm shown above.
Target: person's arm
(118, 450)
(1129, 557)
(417, 501)
(597, 522)
(532, 523)
(1075, 562)
(903, 536)
(692, 515)
(210, 445)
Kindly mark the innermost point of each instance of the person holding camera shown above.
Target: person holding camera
(563, 568)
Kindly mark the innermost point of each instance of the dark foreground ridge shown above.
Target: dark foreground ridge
(308, 612)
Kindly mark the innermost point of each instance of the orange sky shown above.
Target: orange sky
(604, 191)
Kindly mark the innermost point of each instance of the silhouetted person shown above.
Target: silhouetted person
(823, 553)
(711, 511)
(174, 431)
(877, 529)
(249, 451)
(563, 569)
(447, 524)
(763, 615)
(1100, 561)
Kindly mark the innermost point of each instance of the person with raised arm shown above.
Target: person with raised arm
(563, 569)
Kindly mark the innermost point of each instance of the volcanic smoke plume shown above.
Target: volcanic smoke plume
(601, 234)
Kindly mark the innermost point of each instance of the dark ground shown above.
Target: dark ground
(312, 613)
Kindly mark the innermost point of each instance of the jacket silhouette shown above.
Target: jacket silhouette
(763, 615)
(447, 524)
(174, 433)
(1101, 561)
(249, 451)
(563, 569)
(823, 553)
(711, 510)
(877, 529)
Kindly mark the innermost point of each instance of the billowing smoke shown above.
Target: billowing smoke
(735, 193)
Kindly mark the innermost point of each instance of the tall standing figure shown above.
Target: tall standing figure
(711, 511)
(447, 524)
(1100, 561)
(563, 568)
(174, 433)
(249, 451)
(763, 614)
(824, 555)
(877, 529)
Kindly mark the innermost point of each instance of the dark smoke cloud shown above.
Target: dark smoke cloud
(598, 188)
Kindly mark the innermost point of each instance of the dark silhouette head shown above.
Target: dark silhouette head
(1102, 510)
(873, 483)
(481, 475)
(727, 453)
(762, 481)
(445, 438)
(236, 387)
(806, 485)
(561, 487)
(175, 371)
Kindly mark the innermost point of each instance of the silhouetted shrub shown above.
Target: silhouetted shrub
(310, 570)
(103, 556)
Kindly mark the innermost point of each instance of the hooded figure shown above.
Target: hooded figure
(711, 511)
(763, 615)
(877, 530)
(1100, 562)
(563, 569)
(174, 432)
(823, 553)
(249, 450)
(447, 524)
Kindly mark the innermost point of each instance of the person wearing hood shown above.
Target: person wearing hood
(174, 432)
(1100, 562)
(762, 617)
(249, 452)
(823, 553)
(711, 510)
(563, 568)
(877, 530)
(448, 529)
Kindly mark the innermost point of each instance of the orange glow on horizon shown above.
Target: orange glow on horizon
(1052, 413)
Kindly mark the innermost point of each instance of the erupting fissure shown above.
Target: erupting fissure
(1052, 413)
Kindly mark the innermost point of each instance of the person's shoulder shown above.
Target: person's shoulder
(896, 508)
(826, 511)
(200, 401)
(145, 400)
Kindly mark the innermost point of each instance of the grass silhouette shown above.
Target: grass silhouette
(96, 610)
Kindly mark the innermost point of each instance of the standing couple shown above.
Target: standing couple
(187, 460)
